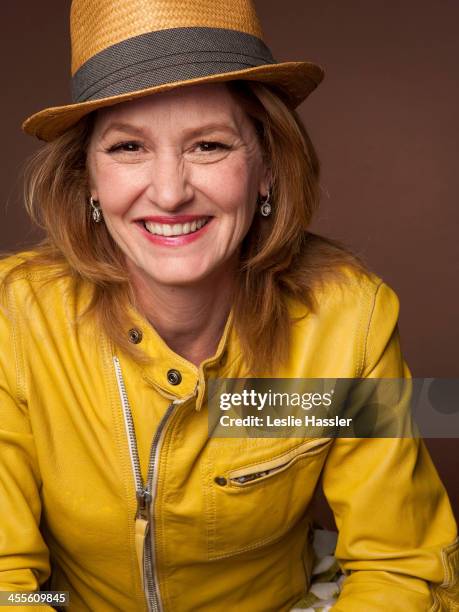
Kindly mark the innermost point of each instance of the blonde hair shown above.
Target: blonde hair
(279, 258)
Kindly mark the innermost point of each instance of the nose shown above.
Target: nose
(168, 185)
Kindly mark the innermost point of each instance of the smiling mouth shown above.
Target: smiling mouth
(175, 229)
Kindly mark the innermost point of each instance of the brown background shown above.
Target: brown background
(385, 123)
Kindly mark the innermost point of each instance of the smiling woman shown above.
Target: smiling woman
(177, 206)
(176, 193)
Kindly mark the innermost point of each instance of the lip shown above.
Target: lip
(174, 240)
(173, 220)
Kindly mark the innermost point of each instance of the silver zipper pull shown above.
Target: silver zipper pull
(144, 498)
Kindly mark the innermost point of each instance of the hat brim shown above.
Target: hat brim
(296, 80)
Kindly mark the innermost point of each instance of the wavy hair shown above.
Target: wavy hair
(279, 258)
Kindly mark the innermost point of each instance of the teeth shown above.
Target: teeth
(178, 229)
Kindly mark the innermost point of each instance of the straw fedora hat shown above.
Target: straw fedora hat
(126, 49)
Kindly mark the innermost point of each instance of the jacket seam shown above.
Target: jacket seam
(210, 506)
(19, 391)
(447, 577)
(367, 331)
(447, 582)
(435, 606)
(258, 544)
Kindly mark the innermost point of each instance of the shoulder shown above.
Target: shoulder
(14, 272)
(21, 266)
(11, 262)
(346, 303)
(362, 302)
(349, 292)
(356, 290)
(354, 319)
(33, 266)
(31, 282)
(338, 281)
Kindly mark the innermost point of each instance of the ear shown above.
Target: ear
(92, 190)
(266, 181)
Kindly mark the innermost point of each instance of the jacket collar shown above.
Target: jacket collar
(226, 362)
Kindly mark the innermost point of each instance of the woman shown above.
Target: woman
(176, 193)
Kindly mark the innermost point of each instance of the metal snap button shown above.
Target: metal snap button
(221, 481)
(135, 336)
(174, 377)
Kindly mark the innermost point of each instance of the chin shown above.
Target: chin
(177, 277)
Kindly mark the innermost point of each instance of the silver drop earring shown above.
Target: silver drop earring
(265, 205)
(96, 212)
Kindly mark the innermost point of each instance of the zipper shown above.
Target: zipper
(254, 476)
(145, 493)
(240, 477)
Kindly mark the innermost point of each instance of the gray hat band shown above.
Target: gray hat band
(166, 56)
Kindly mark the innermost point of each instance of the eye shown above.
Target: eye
(209, 147)
(125, 147)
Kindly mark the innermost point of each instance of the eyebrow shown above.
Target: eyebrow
(122, 127)
(190, 132)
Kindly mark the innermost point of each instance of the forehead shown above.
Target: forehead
(199, 103)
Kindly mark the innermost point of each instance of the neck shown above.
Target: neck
(189, 318)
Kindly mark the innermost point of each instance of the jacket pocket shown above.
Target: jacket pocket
(253, 474)
(256, 502)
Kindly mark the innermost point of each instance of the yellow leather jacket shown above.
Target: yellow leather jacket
(69, 471)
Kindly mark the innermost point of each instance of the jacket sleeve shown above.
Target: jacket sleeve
(24, 559)
(397, 536)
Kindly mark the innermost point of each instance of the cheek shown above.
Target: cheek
(118, 186)
(233, 189)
